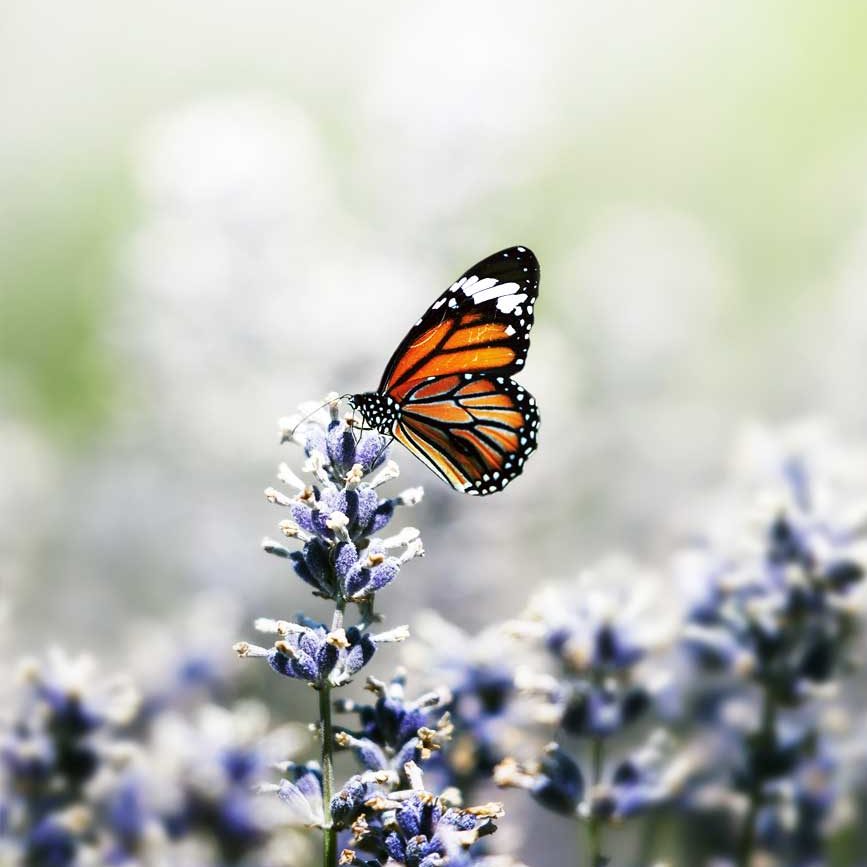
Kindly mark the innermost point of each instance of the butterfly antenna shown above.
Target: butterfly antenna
(331, 400)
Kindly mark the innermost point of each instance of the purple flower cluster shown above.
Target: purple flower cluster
(94, 772)
(395, 730)
(770, 632)
(383, 811)
(479, 673)
(333, 517)
(416, 828)
(604, 634)
(309, 651)
(713, 717)
(337, 514)
(55, 749)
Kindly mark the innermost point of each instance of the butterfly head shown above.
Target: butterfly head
(378, 410)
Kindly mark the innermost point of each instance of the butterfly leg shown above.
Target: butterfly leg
(356, 427)
(380, 453)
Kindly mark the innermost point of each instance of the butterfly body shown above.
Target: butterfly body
(380, 412)
(447, 393)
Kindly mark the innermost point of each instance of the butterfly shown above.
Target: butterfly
(447, 394)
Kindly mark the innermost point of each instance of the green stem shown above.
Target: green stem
(329, 840)
(598, 758)
(766, 741)
(326, 731)
(595, 824)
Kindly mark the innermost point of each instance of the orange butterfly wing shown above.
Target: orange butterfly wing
(473, 430)
(446, 393)
(481, 323)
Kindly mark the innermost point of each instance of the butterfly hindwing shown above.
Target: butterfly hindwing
(481, 323)
(475, 430)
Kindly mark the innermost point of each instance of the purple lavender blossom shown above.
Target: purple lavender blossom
(396, 730)
(93, 775)
(337, 514)
(776, 603)
(642, 780)
(335, 518)
(603, 634)
(479, 672)
(58, 756)
(310, 652)
(415, 828)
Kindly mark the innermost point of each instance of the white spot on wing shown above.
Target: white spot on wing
(484, 286)
(494, 291)
(438, 304)
(508, 303)
(509, 330)
(470, 283)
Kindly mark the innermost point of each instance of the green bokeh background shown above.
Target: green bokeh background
(755, 124)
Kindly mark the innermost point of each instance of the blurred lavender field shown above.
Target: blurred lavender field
(211, 214)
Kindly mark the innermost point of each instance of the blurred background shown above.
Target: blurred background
(210, 213)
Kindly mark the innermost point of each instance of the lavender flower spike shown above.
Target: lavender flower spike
(416, 828)
(337, 513)
(310, 652)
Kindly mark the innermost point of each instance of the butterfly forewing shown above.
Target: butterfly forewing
(481, 323)
(473, 430)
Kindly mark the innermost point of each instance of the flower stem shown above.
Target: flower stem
(595, 823)
(329, 844)
(326, 731)
(598, 758)
(766, 742)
